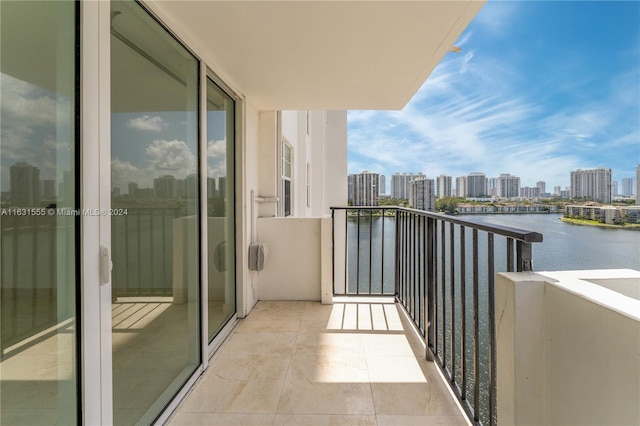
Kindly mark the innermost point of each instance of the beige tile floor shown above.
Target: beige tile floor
(303, 363)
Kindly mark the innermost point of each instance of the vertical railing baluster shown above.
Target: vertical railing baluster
(414, 265)
(358, 254)
(443, 277)
(463, 308)
(492, 330)
(436, 323)
(431, 317)
(510, 267)
(423, 306)
(382, 240)
(346, 251)
(397, 273)
(476, 331)
(370, 250)
(452, 266)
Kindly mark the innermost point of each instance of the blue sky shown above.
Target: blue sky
(539, 89)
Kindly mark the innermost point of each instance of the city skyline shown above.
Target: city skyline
(540, 185)
(518, 100)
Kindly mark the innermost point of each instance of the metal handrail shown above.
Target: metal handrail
(430, 282)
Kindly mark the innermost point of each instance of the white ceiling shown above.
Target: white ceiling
(321, 54)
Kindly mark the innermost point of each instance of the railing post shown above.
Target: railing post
(525, 257)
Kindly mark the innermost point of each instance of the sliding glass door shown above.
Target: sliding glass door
(38, 227)
(155, 229)
(220, 208)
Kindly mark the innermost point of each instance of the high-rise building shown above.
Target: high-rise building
(614, 188)
(476, 185)
(542, 187)
(627, 186)
(25, 185)
(492, 188)
(422, 194)
(638, 184)
(351, 188)
(530, 192)
(443, 188)
(165, 187)
(556, 190)
(508, 186)
(383, 184)
(400, 184)
(461, 186)
(594, 184)
(366, 192)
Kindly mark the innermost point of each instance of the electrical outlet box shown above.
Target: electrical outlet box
(258, 256)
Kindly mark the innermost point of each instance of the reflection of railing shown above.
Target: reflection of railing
(38, 275)
(142, 247)
(445, 282)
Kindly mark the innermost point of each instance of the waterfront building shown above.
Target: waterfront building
(631, 214)
(593, 184)
(638, 184)
(476, 185)
(461, 186)
(529, 192)
(383, 185)
(492, 187)
(365, 187)
(542, 187)
(422, 193)
(508, 186)
(614, 188)
(443, 187)
(351, 188)
(400, 184)
(627, 186)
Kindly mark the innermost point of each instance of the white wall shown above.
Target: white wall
(567, 349)
(293, 267)
(247, 179)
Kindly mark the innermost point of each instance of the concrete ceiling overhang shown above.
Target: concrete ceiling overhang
(321, 54)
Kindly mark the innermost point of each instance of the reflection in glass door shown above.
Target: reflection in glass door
(220, 207)
(38, 226)
(155, 226)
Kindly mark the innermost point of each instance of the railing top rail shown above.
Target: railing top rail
(506, 231)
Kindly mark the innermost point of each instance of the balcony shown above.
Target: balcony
(468, 329)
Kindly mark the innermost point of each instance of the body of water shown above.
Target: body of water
(570, 247)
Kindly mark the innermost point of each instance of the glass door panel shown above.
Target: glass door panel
(38, 225)
(220, 207)
(155, 222)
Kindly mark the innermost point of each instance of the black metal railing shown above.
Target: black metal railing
(443, 270)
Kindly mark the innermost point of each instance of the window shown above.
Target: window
(287, 175)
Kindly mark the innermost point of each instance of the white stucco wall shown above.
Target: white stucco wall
(568, 349)
(293, 270)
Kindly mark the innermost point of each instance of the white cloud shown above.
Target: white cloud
(216, 158)
(154, 124)
(474, 114)
(171, 157)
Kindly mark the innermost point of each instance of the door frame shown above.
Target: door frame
(95, 182)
